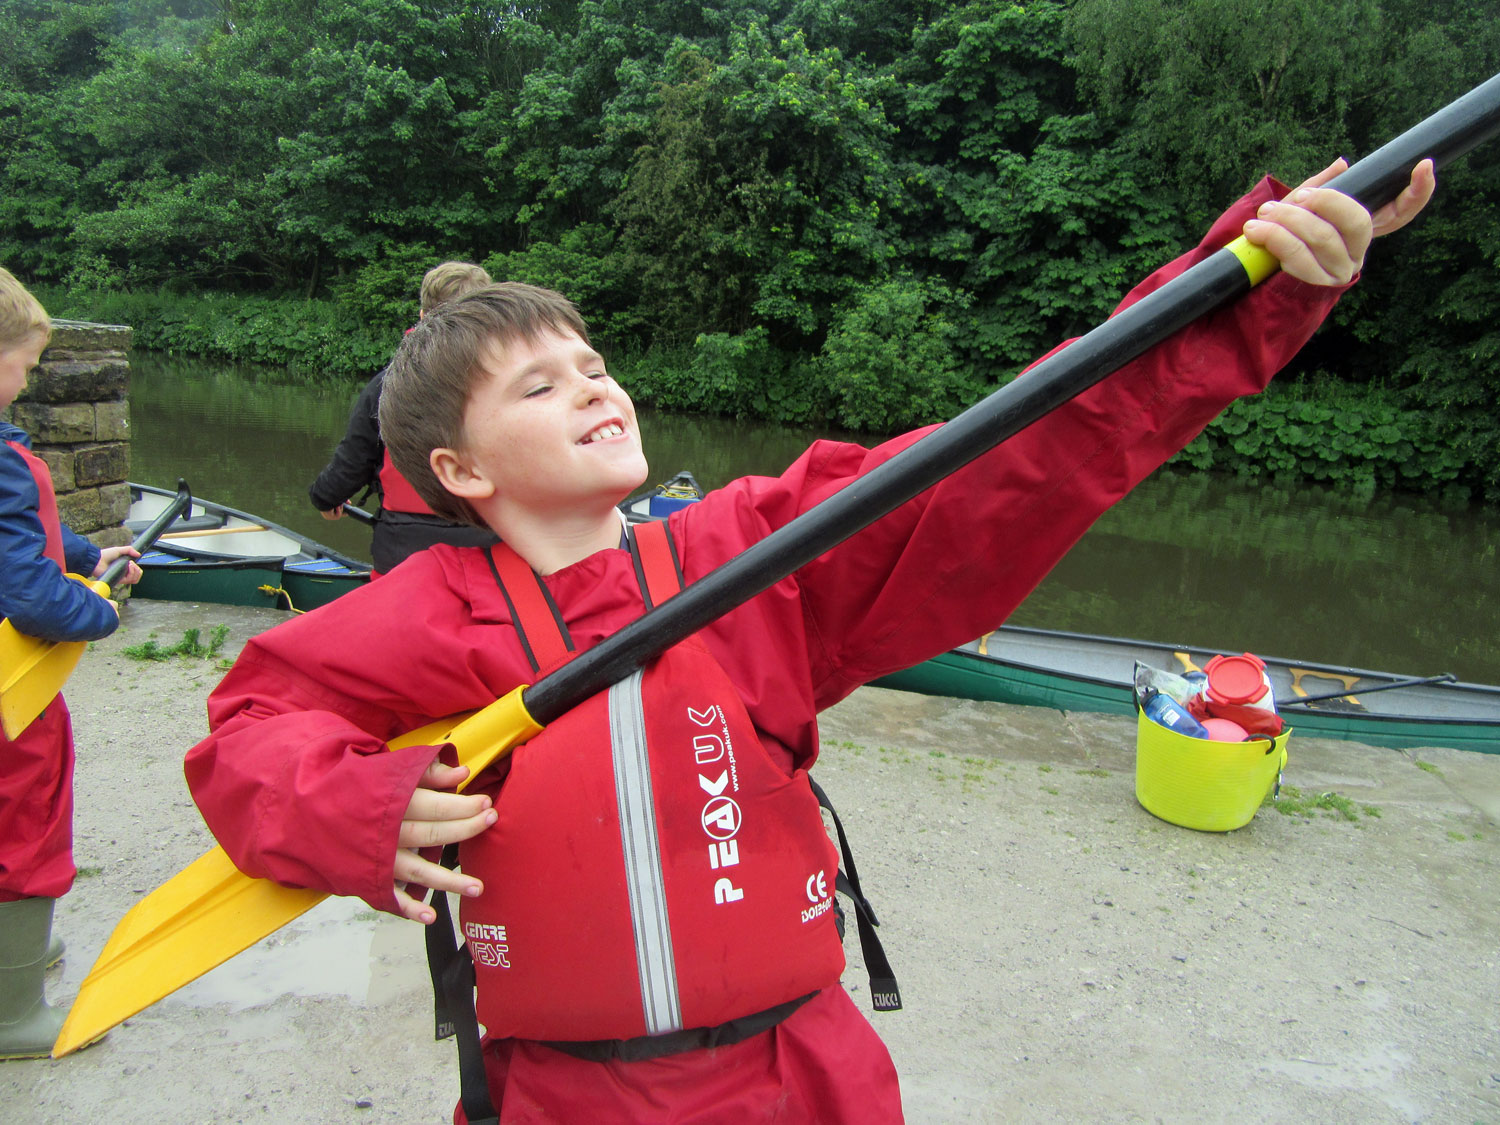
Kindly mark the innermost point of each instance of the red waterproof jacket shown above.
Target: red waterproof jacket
(296, 782)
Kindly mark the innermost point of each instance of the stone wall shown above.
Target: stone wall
(75, 410)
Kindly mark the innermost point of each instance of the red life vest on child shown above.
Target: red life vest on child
(651, 869)
(396, 492)
(46, 504)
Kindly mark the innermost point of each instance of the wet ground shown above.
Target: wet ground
(1063, 955)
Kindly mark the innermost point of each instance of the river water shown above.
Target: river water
(1394, 583)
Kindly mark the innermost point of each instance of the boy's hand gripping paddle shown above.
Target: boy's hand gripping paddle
(210, 911)
(33, 670)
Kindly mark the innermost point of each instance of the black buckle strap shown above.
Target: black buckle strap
(885, 994)
(452, 972)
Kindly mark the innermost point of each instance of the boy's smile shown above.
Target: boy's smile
(549, 438)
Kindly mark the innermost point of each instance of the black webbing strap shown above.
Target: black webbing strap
(885, 995)
(452, 971)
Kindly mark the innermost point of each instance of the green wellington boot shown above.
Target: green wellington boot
(28, 1025)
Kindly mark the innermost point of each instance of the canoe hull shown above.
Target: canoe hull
(223, 556)
(1082, 672)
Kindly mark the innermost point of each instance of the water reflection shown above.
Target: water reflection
(1294, 571)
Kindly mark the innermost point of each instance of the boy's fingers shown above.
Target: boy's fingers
(427, 833)
(1318, 179)
(1319, 236)
(412, 868)
(434, 804)
(415, 909)
(440, 776)
(1406, 206)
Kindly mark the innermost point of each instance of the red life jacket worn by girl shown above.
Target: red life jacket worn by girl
(46, 507)
(651, 869)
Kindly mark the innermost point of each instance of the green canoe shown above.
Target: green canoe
(225, 556)
(1083, 672)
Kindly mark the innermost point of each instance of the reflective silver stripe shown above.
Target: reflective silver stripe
(643, 873)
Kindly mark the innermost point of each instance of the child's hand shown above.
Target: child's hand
(432, 819)
(108, 555)
(1320, 235)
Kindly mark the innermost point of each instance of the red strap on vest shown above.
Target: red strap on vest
(46, 504)
(537, 620)
(656, 566)
(539, 623)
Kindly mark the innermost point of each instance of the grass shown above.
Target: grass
(1336, 806)
(190, 646)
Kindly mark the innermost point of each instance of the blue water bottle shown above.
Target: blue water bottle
(1165, 711)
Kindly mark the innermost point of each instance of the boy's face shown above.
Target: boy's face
(16, 362)
(549, 432)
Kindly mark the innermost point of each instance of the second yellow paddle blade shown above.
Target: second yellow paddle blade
(160, 945)
(35, 672)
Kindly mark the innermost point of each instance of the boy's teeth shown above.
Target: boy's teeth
(604, 432)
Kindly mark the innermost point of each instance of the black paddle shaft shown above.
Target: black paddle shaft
(1374, 181)
(180, 504)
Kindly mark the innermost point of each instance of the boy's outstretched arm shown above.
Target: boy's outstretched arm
(434, 818)
(1320, 235)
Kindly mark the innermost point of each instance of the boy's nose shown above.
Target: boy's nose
(591, 390)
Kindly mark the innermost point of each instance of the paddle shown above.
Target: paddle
(166, 945)
(359, 514)
(33, 670)
(1445, 678)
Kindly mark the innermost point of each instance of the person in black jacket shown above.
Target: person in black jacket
(404, 524)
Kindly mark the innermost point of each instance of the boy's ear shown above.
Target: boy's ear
(454, 473)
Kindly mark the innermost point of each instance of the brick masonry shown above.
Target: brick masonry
(76, 412)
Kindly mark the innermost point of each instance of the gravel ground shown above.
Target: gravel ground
(1063, 955)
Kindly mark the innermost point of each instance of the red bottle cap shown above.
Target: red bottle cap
(1235, 679)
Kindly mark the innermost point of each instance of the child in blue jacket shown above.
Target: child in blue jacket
(37, 551)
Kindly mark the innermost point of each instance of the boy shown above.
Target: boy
(36, 769)
(404, 524)
(501, 412)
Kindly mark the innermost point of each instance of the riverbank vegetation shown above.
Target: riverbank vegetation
(848, 212)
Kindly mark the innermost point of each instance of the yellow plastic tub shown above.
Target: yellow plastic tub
(1210, 786)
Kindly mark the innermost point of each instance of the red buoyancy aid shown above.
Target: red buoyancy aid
(651, 869)
(396, 492)
(46, 507)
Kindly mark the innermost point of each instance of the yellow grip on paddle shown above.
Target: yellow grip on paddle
(481, 737)
(1259, 262)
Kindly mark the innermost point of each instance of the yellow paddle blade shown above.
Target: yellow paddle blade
(33, 671)
(144, 961)
(210, 910)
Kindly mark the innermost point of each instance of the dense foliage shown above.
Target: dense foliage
(854, 211)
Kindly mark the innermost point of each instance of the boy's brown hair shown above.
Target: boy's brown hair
(438, 364)
(21, 314)
(449, 280)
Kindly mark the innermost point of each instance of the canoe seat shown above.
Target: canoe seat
(192, 523)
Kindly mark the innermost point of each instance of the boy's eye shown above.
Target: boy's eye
(598, 374)
(539, 389)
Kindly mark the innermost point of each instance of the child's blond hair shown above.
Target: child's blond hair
(449, 280)
(21, 314)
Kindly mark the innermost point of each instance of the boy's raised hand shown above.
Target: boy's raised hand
(1320, 235)
(434, 818)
